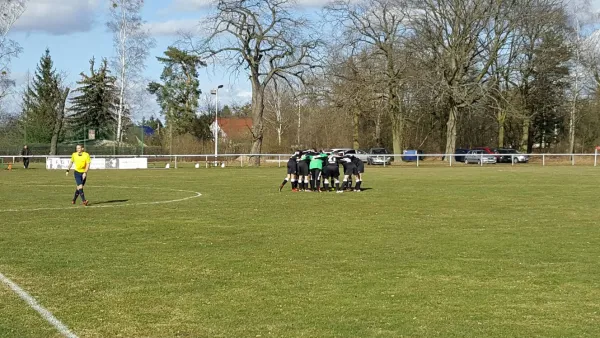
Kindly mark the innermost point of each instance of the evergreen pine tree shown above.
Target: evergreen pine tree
(178, 94)
(41, 100)
(95, 106)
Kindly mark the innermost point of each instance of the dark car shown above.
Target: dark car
(459, 152)
(511, 155)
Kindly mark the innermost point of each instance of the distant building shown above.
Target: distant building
(233, 127)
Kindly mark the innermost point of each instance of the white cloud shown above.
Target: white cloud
(58, 17)
(172, 27)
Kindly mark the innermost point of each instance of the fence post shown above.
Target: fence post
(596, 158)
(543, 160)
(512, 160)
(175, 161)
(450, 159)
(279, 160)
(572, 159)
(417, 159)
(481, 160)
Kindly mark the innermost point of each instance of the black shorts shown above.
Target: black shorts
(292, 168)
(332, 171)
(360, 168)
(302, 168)
(350, 169)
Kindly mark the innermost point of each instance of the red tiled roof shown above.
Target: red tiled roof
(235, 126)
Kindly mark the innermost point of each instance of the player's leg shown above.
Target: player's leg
(285, 180)
(358, 182)
(326, 179)
(81, 194)
(318, 179)
(294, 182)
(78, 185)
(336, 178)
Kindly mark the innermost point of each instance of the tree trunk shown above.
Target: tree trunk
(258, 108)
(355, 129)
(60, 116)
(397, 134)
(525, 136)
(451, 132)
(378, 130)
(572, 117)
(501, 127)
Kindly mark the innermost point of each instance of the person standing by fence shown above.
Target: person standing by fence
(26, 154)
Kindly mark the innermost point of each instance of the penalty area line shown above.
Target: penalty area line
(47, 315)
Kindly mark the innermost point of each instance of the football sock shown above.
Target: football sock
(76, 195)
(82, 195)
(344, 185)
(358, 185)
(294, 185)
(284, 182)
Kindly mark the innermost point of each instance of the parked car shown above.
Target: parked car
(411, 155)
(511, 155)
(478, 156)
(377, 156)
(488, 150)
(361, 154)
(459, 152)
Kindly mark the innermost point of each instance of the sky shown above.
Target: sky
(75, 31)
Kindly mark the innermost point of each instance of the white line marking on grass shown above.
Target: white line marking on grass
(47, 315)
(196, 195)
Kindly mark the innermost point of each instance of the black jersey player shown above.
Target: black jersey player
(292, 172)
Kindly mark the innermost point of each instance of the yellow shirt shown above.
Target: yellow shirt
(80, 161)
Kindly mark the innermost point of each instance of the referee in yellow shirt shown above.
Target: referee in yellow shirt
(81, 160)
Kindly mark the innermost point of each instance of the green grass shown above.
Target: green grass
(498, 251)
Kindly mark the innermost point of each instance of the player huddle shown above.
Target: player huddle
(307, 170)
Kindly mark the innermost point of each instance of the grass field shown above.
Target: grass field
(497, 251)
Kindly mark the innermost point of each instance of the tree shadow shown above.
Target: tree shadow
(110, 202)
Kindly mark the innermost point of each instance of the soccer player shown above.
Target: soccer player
(316, 166)
(292, 172)
(303, 171)
(332, 172)
(349, 169)
(358, 172)
(82, 161)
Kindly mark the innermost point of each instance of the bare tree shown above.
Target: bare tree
(264, 38)
(274, 99)
(381, 26)
(463, 38)
(132, 45)
(10, 11)
(60, 118)
(579, 12)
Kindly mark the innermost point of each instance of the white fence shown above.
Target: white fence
(204, 160)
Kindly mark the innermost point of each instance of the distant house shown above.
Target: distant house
(233, 127)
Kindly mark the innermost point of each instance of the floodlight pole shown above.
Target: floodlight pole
(216, 93)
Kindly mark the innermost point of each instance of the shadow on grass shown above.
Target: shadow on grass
(109, 202)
